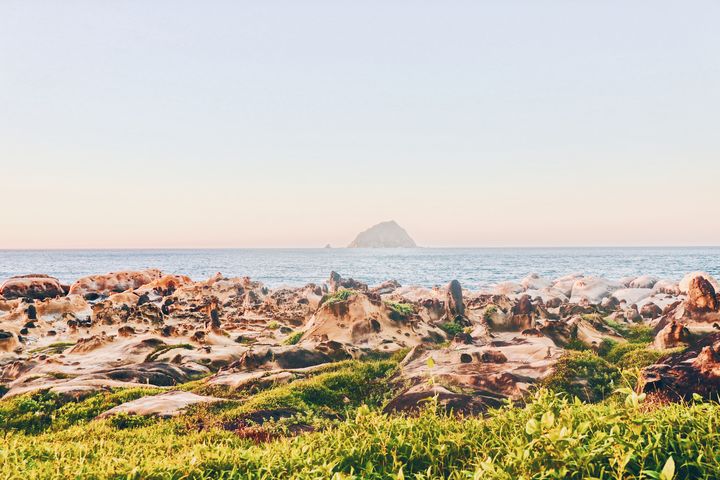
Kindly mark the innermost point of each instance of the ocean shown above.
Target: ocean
(474, 267)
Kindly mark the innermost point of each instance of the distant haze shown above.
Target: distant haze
(285, 123)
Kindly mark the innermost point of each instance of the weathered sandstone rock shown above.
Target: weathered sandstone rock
(701, 296)
(32, 286)
(116, 282)
(674, 334)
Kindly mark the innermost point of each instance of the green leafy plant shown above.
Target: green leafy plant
(583, 375)
(293, 338)
(401, 309)
(451, 328)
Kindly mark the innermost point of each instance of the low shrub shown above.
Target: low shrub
(583, 375)
(340, 296)
(293, 338)
(451, 328)
(39, 411)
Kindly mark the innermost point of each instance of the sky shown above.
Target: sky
(136, 124)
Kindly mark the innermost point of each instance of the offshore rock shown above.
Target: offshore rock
(383, 235)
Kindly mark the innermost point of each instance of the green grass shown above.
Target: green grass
(293, 338)
(489, 312)
(340, 296)
(551, 437)
(401, 309)
(632, 333)
(53, 348)
(45, 410)
(334, 392)
(333, 428)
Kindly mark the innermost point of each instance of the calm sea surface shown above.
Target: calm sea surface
(474, 267)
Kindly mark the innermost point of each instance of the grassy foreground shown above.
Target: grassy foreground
(551, 437)
(333, 428)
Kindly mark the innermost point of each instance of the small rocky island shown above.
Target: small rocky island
(383, 235)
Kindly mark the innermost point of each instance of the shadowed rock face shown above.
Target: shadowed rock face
(693, 371)
(674, 334)
(33, 286)
(383, 235)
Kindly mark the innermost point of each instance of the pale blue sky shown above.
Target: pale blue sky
(297, 123)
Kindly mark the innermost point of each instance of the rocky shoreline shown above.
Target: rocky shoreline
(472, 350)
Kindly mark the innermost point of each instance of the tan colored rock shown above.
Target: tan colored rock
(32, 286)
(674, 334)
(114, 282)
(365, 321)
(165, 285)
(684, 284)
(488, 375)
(701, 296)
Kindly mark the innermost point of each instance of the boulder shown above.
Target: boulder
(32, 287)
(632, 295)
(667, 287)
(645, 281)
(701, 296)
(565, 284)
(684, 284)
(365, 321)
(534, 282)
(8, 341)
(650, 311)
(592, 289)
(674, 334)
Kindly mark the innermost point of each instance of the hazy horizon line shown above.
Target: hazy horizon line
(428, 247)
